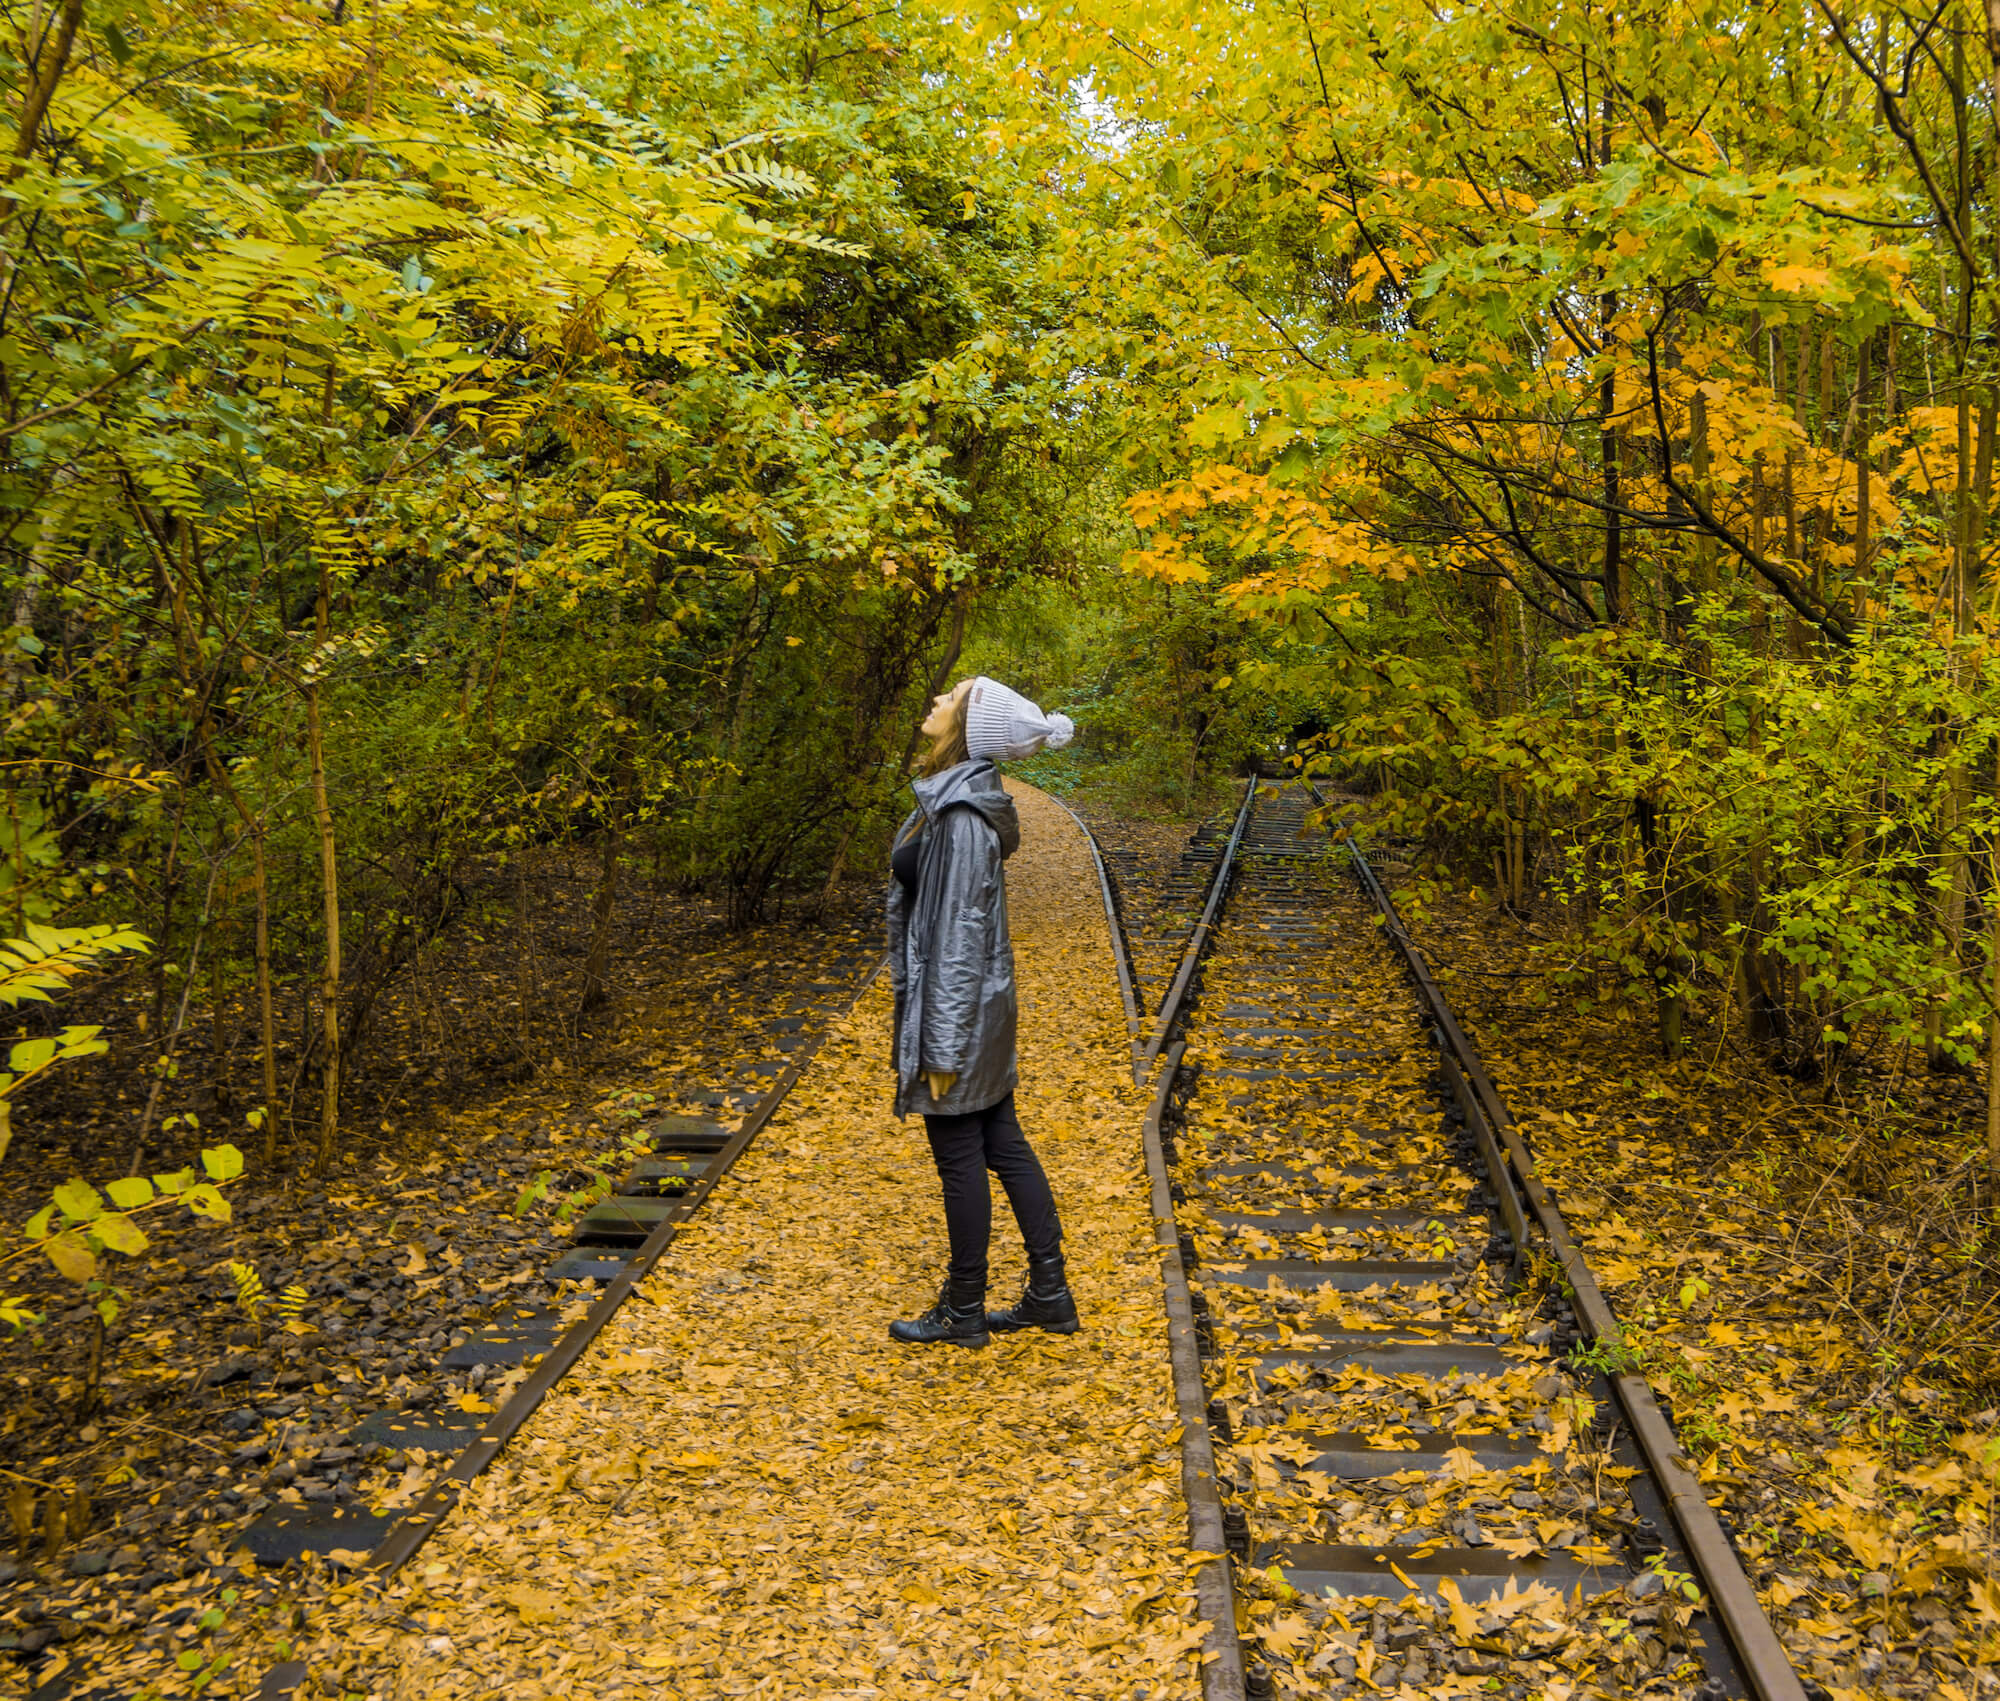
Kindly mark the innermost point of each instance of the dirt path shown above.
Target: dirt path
(747, 1488)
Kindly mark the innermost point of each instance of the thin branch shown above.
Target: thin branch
(15, 427)
(1802, 602)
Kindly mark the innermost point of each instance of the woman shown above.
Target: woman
(952, 965)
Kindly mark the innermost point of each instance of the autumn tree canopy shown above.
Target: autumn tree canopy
(431, 432)
(1598, 402)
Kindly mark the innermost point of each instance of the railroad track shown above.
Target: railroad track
(1391, 1359)
(1159, 906)
(661, 1183)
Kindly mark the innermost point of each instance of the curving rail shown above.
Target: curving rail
(1215, 1297)
(1760, 1656)
(1197, 943)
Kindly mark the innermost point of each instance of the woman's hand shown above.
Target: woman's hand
(940, 1080)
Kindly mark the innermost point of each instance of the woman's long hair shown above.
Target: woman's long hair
(948, 748)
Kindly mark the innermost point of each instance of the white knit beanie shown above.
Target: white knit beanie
(1005, 726)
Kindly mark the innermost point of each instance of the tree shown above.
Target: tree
(1594, 401)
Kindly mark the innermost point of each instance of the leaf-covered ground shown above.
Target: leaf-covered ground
(209, 1420)
(1801, 1287)
(747, 1488)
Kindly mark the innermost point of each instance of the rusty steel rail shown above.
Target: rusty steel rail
(1218, 889)
(409, 1534)
(1127, 987)
(1222, 1674)
(1760, 1656)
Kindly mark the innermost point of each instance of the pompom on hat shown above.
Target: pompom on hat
(1004, 726)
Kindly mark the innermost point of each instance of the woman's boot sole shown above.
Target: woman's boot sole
(942, 1340)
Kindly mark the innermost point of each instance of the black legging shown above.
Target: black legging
(965, 1148)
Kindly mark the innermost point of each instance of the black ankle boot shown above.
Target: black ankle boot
(1046, 1302)
(957, 1318)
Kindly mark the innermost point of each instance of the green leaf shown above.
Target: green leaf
(37, 1226)
(129, 1192)
(33, 1054)
(78, 1200)
(1216, 426)
(175, 1183)
(223, 1163)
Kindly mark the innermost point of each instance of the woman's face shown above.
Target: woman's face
(943, 708)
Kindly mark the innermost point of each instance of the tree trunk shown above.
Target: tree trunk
(163, 1065)
(1862, 493)
(51, 61)
(960, 602)
(1617, 593)
(267, 1024)
(221, 1036)
(839, 867)
(267, 1027)
(1993, 1020)
(524, 946)
(329, 880)
(170, 886)
(596, 966)
(56, 508)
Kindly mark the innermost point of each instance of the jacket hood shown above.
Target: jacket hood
(975, 784)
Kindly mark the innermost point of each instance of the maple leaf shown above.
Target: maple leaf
(1944, 1477)
(1464, 1616)
(1286, 1635)
(536, 1606)
(1984, 1594)
(1734, 1408)
(1462, 1465)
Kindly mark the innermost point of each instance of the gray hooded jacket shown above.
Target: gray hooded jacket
(951, 960)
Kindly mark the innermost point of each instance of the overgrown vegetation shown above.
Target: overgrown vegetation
(433, 433)
(1593, 410)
